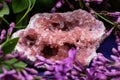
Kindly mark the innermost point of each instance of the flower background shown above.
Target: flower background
(15, 15)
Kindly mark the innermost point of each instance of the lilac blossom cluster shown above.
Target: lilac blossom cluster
(101, 68)
(27, 74)
(59, 3)
(61, 70)
(105, 69)
(12, 73)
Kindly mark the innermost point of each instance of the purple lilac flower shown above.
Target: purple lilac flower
(109, 32)
(60, 70)
(114, 14)
(12, 25)
(32, 71)
(2, 36)
(19, 76)
(27, 74)
(18, 55)
(107, 69)
(57, 5)
(97, 1)
(7, 74)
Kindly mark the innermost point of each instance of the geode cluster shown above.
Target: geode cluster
(52, 34)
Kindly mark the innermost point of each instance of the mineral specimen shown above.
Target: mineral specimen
(51, 35)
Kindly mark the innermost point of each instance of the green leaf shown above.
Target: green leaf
(6, 67)
(108, 21)
(20, 27)
(20, 64)
(81, 4)
(28, 10)
(4, 10)
(10, 61)
(9, 45)
(19, 6)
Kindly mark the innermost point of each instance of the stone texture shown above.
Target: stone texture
(52, 34)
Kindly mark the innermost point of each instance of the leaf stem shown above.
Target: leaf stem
(108, 21)
(5, 20)
(28, 10)
(81, 3)
(33, 5)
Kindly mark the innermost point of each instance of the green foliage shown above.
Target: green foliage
(19, 6)
(11, 61)
(9, 45)
(29, 8)
(4, 10)
(20, 65)
(13, 64)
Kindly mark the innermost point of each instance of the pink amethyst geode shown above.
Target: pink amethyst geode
(52, 34)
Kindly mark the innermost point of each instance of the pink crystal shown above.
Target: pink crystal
(52, 34)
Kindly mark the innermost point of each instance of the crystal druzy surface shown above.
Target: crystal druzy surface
(52, 34)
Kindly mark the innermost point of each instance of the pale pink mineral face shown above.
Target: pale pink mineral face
(52, 34)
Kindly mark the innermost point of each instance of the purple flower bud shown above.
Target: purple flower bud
(115, 51)
(117, 65)
(50, 68)
(109, 32)
(53, 9)
(58, 4)
(46, 73)
(9, 56)
(113, 72)
(37, 64)
(58, 68)
(77, 68)
(5, 72)
(118, 20)
(114, 14)
(27, 76)
(99, 63)
(87, 4)
(8, 1)
(66, 78)
(19, 76)
(1, 5)
(68, 74)
(117, 39)
(90, 72)
(79, 64)
(41, 58)
(2, 36)
(32, 71)
(115, 58)
(101, 76)
(59, 62)
(102, 58)
(119, 48)
(72, 53)
(49, 62)
(74, 72)
(58, 76)
(12, 25)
